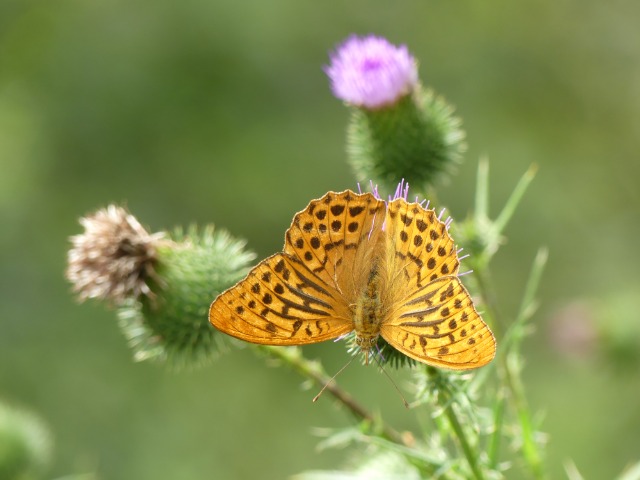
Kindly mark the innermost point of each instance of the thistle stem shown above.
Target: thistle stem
(529, 446)
(314, 371)
(446, 401)
(493, 449)
(508, 366)
(464, 442)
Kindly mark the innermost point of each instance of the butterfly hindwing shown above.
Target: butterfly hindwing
(440, 326)
(280, 303)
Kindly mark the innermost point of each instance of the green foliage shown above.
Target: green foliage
(25, 444)
(382, 465)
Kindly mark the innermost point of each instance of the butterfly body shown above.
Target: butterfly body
(354, 263)
(367, 317)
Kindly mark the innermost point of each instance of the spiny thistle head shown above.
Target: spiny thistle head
(162, 283)
(174, 326)
(398, 129)
(114, 258)
(381, 354)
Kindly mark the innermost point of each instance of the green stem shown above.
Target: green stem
(508, 366)
(493, 450)
(512, 366)
(511, 204)
(529, 445)
(482, 192)
(313, 370)
(468, 450)
(446, 401)
(515, 333)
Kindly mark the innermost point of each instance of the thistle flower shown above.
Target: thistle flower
(114, 258)
(398, 129)
(161, 283)
(371, 72)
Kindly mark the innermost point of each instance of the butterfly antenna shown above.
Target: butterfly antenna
(332, 379)
(406, 404)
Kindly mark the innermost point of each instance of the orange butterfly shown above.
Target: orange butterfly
(352, 262)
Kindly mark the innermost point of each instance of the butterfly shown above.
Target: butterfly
(354, 263)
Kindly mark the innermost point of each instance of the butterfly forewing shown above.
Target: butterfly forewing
(441, 327)
(281, 303)
(335, 237)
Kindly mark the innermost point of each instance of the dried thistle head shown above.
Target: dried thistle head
(114, 258)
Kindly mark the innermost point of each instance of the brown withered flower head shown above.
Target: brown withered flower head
(114, 258)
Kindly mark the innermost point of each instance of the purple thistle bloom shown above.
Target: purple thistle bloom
(371, 72)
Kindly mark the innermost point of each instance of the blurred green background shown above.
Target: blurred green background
(218, 111)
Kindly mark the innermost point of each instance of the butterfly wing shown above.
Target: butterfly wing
(336, 237)
(420, 243)
(281, 302)
(439, 326)
(430, 315)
